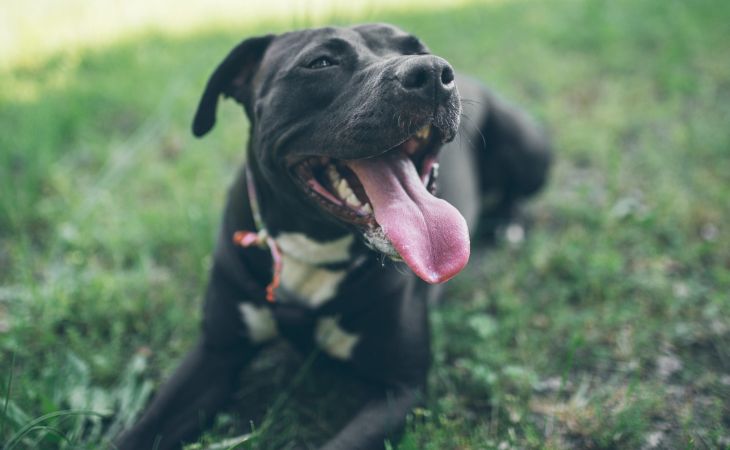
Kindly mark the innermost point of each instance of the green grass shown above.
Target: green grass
(607, 327)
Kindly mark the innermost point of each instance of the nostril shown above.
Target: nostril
(447, 76)
(416, 78)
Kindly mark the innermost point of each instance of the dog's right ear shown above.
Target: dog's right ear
(231, 78)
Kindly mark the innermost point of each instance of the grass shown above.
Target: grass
(607, 327)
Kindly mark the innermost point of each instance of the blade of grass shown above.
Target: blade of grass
(50, 430)
(7, 394)
(27, 428)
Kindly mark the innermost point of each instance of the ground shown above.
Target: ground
(600, 320)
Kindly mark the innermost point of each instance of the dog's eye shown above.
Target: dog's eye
(321, 63)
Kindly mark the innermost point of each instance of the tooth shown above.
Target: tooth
(424, 132)
(352, 200)
(367, 209)
(333, 175)
(343, 188)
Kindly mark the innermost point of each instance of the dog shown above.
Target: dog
(357, 152)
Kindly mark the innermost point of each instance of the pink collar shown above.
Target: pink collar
(260, 237)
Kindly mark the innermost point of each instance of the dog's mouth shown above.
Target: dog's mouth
(337, 188)
(391, 198)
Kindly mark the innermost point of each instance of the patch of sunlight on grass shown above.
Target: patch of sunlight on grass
(18, 87)
(32, 29)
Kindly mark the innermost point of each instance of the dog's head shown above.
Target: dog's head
(350, 121)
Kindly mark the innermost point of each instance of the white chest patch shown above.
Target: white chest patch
(301, 247)
(300, 273)
(333, 340)
(260, 323)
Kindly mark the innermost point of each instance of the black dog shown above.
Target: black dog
(351, 130)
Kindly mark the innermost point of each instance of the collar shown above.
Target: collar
(260, 237)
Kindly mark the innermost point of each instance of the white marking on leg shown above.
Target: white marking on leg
(259, 321)
(333, 340)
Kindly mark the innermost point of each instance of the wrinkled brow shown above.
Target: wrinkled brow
(336, 44)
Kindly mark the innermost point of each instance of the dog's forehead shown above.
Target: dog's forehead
(376, 37)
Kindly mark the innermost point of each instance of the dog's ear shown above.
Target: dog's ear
(231, 78)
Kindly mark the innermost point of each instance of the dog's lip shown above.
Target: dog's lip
(437, 137)
(313, 176)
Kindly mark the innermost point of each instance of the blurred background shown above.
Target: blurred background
(600, 319)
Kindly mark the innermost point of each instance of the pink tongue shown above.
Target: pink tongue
(428, 233)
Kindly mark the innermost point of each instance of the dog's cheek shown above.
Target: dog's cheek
(258, 110)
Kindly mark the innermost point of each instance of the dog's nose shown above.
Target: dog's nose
(427, 76)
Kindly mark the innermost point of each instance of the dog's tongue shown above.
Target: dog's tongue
(428, 233)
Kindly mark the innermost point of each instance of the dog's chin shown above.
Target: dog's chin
(334, 186)
(376, 239)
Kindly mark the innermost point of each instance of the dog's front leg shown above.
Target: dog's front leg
(202, 384)
(393, 351)
(206, 379)
(381, 418)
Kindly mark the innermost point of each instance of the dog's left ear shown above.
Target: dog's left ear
(231, 78)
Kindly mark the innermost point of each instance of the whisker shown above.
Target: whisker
(471, 101)
(401, 268)
(470, 123)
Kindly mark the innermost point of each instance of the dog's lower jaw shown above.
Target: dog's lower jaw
(376, 239)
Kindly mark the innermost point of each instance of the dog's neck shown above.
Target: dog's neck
(312, 257)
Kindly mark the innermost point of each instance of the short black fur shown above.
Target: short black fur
(380, 85)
